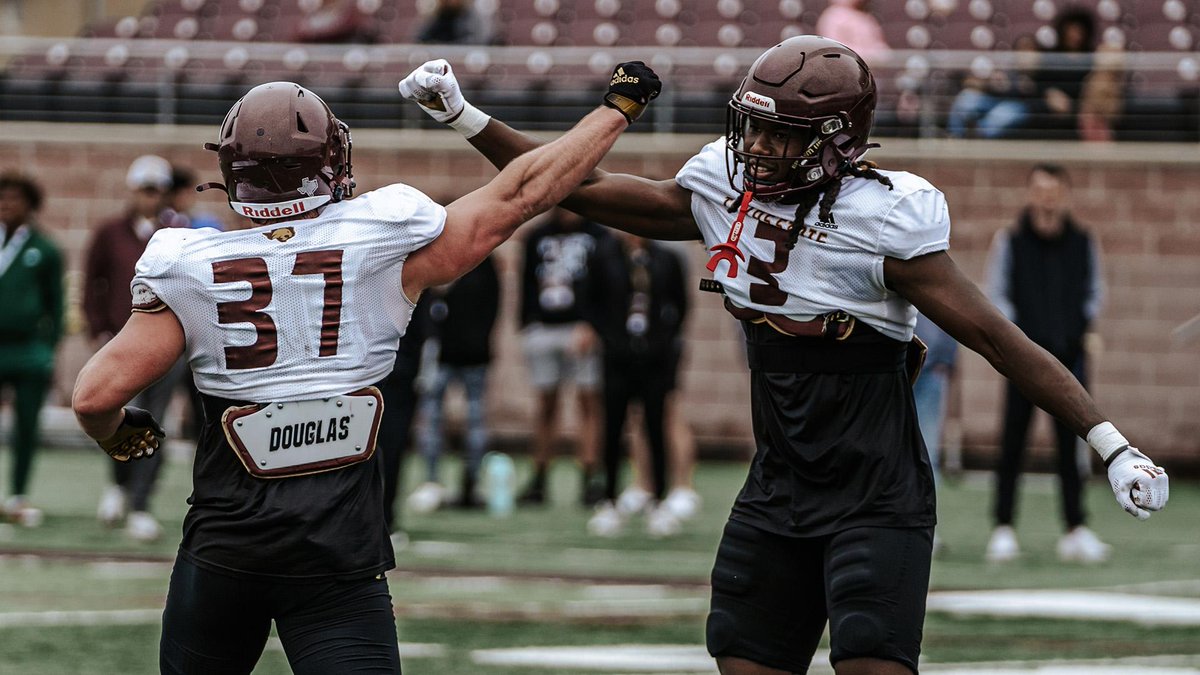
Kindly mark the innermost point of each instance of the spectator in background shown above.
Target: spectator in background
(849, 22)
(637, 303)
(929, 391)
(462, 315)
(1103, 96)
(455, 22)
(995, 105)
(111, 257)
(399, 391)
(682, 500)
(1063, 70)
(559, 344)
(180, 202)
(1044, 275)
(31, 293)
(339, 21)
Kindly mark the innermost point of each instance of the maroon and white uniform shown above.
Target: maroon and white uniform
(820, 467)
(303, 310)
(292, 311)
(833, 266)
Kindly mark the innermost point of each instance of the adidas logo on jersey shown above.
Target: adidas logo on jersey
(620, 77)
(280, 234)
(828, 225)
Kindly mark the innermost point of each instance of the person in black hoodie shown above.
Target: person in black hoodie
(461, 318)
(638, 303)
(560, 346)
(1044, 275)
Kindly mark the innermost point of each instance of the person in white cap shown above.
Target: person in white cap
(114, 251)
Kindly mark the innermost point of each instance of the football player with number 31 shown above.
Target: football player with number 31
(287, 324)
(825, 259)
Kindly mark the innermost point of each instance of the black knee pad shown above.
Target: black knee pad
(861, 633)
(720, 632)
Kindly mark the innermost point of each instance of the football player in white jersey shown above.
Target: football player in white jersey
(287, 325)
(825, 259)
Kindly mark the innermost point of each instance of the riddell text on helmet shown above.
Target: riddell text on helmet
(273, 211)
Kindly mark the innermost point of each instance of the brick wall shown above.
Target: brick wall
(1145, 211)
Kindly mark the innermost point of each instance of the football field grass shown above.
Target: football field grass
(475, 594)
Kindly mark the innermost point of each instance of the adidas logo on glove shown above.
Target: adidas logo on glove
(620, 77)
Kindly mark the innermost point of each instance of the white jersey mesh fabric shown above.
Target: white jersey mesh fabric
(272, 327)
(836, 265)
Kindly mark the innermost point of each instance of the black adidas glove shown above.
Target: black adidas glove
(137, 437)
(631, 89)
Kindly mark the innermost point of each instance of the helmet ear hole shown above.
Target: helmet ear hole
(300, 124)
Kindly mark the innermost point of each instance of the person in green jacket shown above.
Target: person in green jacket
(31, 298)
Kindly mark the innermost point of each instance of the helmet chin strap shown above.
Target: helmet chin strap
(211, 186)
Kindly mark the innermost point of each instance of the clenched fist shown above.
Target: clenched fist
(632, 87)
(137, 437)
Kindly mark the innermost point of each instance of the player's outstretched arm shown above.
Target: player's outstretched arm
(140, 354)
(479, 222)
(935, 285)
(648, 208)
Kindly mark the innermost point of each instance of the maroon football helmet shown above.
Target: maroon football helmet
(821, 94)
(282, 153)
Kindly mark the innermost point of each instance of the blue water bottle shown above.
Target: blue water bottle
(500, 483)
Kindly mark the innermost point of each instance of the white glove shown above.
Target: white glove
(434, 88)
(1140, 486)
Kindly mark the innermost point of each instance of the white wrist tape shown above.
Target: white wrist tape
(470, 121)
(1106, 440)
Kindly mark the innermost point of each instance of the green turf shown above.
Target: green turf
(491, 612)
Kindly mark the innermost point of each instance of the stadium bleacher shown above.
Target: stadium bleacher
(169, 63)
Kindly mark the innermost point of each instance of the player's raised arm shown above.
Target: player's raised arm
(528, 185)
(649, 208)
(935, 285)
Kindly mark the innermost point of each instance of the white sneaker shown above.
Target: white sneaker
(632, 500)
(112, 506)
(1081, 545)
(19, 512)
(428, 497)
(683, 503)
(1002, 547)
(141, 526)
(606, 521)
(399, 540)
(661, 522)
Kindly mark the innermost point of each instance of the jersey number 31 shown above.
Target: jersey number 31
(254, 271)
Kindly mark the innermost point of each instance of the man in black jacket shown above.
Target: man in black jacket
(1044, 275)
(638, 303)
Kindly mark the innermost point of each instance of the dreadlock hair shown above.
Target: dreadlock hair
(827, 195)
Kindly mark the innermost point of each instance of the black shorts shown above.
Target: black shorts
(215, 623)
(772, 595)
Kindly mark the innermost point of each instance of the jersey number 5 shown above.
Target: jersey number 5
(254, 271)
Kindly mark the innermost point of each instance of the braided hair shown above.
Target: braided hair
(827, 195)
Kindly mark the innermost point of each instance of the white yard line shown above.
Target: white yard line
(1057, 604)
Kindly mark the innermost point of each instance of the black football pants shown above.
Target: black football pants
(215, 623)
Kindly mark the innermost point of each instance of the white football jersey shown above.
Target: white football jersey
(835, 265)
(295, 310)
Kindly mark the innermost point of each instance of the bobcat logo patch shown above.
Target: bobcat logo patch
(280, 234)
